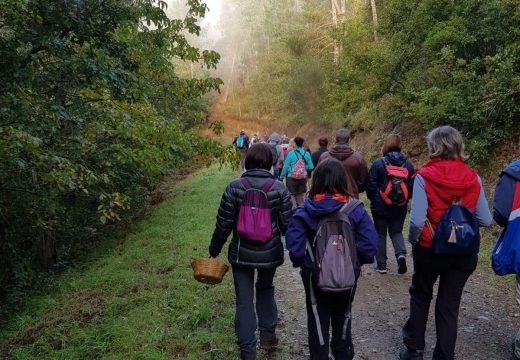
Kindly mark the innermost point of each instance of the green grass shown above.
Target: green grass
(138, 300)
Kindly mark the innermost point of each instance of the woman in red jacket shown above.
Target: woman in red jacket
(443, 179)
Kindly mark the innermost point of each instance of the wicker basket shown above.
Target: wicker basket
(209, 271)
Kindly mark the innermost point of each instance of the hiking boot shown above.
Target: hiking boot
(244, 357)
(269, 343)
(401, 265)
(381, 268)
(410, 355)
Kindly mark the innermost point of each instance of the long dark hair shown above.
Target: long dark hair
(330, 177)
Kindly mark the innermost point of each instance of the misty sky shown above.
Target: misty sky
(210, 22)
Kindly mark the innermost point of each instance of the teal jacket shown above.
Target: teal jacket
(291, 159)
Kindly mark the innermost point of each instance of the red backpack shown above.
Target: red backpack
(396, 190)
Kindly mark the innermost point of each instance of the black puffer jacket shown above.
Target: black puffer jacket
(242, 253)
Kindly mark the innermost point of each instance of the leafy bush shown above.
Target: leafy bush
(92, 114)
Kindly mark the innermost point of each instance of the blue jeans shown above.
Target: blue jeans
(245, 317)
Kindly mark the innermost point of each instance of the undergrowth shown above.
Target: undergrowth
(137, 299)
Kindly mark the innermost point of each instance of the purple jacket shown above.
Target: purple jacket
(304, 223)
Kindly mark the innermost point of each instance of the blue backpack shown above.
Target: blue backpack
(457, 233)
(505, 258)
(240, 143)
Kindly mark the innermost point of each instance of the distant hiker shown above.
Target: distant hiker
(256, 209)
(241, 143)
(296, 165)
(506, 203)
(330, 237)
(278, 157)
(323, 142)
(389, 187)
(443, 185)
(254, 140)
(352, 161)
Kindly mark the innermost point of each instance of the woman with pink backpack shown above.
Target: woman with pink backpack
(296, 167)
(256, 209)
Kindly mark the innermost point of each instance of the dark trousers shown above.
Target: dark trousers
(453, 272)
(245, 317)
(332, 308)
(394, 228)
(276, 172)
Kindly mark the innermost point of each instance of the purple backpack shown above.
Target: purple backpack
(334, 255)
(254, 217)
(334, 251)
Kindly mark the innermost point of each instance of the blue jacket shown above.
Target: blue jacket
(291, 159)
(504, 193)
(377, 180)
(303, 225)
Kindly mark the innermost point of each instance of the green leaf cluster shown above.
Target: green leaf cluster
(92, 114)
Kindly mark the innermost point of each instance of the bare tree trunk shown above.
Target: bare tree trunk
(334, 5)
(375, 23)
(339, 12)
(231, 78)
(46, 250)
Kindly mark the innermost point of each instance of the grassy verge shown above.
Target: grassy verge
(137, 300)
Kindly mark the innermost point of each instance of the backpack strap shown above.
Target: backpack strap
(268, 185)
(314, 306)
(245, 182)
(350, 206)
(302, 156)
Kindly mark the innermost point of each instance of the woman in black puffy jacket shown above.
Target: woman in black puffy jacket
(246, 256)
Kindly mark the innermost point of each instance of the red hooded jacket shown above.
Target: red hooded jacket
(445, 180)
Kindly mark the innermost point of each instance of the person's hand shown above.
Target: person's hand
(213, 253)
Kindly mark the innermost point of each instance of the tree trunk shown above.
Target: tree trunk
(339, 12)
(46, 250)
(375, 23)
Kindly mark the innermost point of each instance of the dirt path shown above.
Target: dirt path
(488, 316)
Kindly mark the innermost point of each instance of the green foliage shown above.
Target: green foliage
(432, 62)
(136, 298)
(92, 114)
(458, 65)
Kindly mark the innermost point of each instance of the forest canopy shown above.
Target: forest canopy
(379, 64)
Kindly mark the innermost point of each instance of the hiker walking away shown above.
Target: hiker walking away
(254, 140)
(241, 143)
(444, 187)
(256, 209)
(323, 142)
(276, 148)
(285, 150)
(352, 161)
(295, 167)
(329, 238)
(505, 201)
(389, 187)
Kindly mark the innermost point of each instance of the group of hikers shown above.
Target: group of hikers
(329, 234)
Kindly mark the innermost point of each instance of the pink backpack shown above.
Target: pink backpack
(299, 172)
(254, 217)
